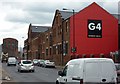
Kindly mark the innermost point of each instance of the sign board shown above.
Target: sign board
(73, 49)
(94, 28)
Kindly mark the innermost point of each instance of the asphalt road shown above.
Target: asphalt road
(40, 74)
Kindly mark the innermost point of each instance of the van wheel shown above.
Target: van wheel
(33, 70)
(20, 71)
(57, 82)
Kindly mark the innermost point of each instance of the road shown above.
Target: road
(40, 74)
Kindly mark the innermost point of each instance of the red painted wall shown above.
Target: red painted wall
(85, 45)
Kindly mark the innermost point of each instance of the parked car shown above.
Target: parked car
(26, 65)
(40, 62)
(35, 61)
(88, 71)
(49, 63)
(117, 65)
(11, 61)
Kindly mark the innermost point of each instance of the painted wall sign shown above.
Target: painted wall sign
(94, 29)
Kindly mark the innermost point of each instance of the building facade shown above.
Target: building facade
(96, 32)
(91, 32)
(34, 38)
(10, 46)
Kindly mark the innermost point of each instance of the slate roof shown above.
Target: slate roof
(117, 16)
(66, 14)
(39, 28)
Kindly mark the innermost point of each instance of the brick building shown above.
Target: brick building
(10, 46)
(60, 29)
(56, 43)
(47, 43)
(34, 33)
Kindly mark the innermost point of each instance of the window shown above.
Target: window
(54, 49)
(65, 71)
(27, 62)
(66, 25)
(66, 48)
(46, 52)
(59, 30)
(50, 50)
(59, 48)
(50, 39)
(46, 37)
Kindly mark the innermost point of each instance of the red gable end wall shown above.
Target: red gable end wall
(85, 45)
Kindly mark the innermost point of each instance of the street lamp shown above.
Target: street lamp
(73, 48)
(21, 49)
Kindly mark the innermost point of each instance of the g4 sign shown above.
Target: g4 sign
(94, 28)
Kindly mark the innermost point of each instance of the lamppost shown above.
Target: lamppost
(21, 49)
(73, 49)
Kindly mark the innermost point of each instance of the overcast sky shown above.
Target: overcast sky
(16, 15)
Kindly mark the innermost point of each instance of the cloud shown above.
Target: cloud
(17, 14)
(119, 7)
(42, 12)
(111, 7)
(30, 13)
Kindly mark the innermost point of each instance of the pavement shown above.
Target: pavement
(59, 67)
(4, 76)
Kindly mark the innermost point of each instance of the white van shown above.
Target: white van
(88, 71)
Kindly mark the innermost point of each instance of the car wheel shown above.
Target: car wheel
(18, 70)
(8, 65)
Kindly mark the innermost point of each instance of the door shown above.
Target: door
(63, 78)
(74, 73)
(91, 72)
(107, 72)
